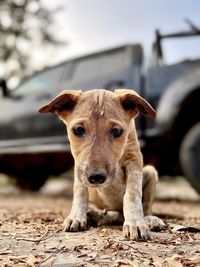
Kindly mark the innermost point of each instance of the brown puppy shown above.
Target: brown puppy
(108, 168)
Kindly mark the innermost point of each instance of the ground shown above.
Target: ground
(31, 231)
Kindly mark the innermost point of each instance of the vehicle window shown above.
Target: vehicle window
(48, 80)
(97, 65)
(177, 50)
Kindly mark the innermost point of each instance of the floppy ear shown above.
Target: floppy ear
(134, 103)
(64, 102)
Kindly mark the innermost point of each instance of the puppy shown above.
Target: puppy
(108, 169)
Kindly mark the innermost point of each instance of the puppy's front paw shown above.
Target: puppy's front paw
(154, 223)
(74, 224)
(136, 230)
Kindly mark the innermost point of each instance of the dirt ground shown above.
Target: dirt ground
(31, 231)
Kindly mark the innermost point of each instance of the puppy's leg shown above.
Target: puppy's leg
(77, 219)
(98, 217)
(134, 226)
(150, 179)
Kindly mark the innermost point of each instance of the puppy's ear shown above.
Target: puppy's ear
(134, 103)
(63, 103)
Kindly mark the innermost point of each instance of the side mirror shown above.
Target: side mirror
(3, 87)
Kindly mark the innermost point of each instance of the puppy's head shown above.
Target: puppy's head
(98, 123)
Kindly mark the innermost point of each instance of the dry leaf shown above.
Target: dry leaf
(135, 264)
(146, 262)
(127, 262)
(171, 262)
(168, 262)
(31, 260)
(92, 254)
(20, 265)
(105, 257)
(191, 262)
(104, 232)
(177, 227)
(157, 261)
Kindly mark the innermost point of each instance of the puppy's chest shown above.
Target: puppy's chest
(111, 196)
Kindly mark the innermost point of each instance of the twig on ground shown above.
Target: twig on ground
(130, 246)
(5, 250)
(53, 253)
(8, 219)
(47, 237)
(41, 238)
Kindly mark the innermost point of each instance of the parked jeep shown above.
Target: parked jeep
(33, 146)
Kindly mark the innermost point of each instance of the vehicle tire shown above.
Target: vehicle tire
(30, 181)
(190, 156)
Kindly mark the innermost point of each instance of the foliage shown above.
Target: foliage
(24, 25)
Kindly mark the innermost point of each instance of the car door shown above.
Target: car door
(110, 69)
(23, 120)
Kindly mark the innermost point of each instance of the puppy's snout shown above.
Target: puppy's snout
(97, 178)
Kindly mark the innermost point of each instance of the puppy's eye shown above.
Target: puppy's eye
(79, 131)
(116, 132)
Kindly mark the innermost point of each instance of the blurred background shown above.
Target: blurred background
(35, 34)
(150, 46)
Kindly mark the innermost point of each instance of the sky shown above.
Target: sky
(92, 25)
(88, 26)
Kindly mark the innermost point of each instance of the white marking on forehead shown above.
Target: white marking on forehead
(99, 97)
(101, 112)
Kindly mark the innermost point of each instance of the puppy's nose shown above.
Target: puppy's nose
(97, 178)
